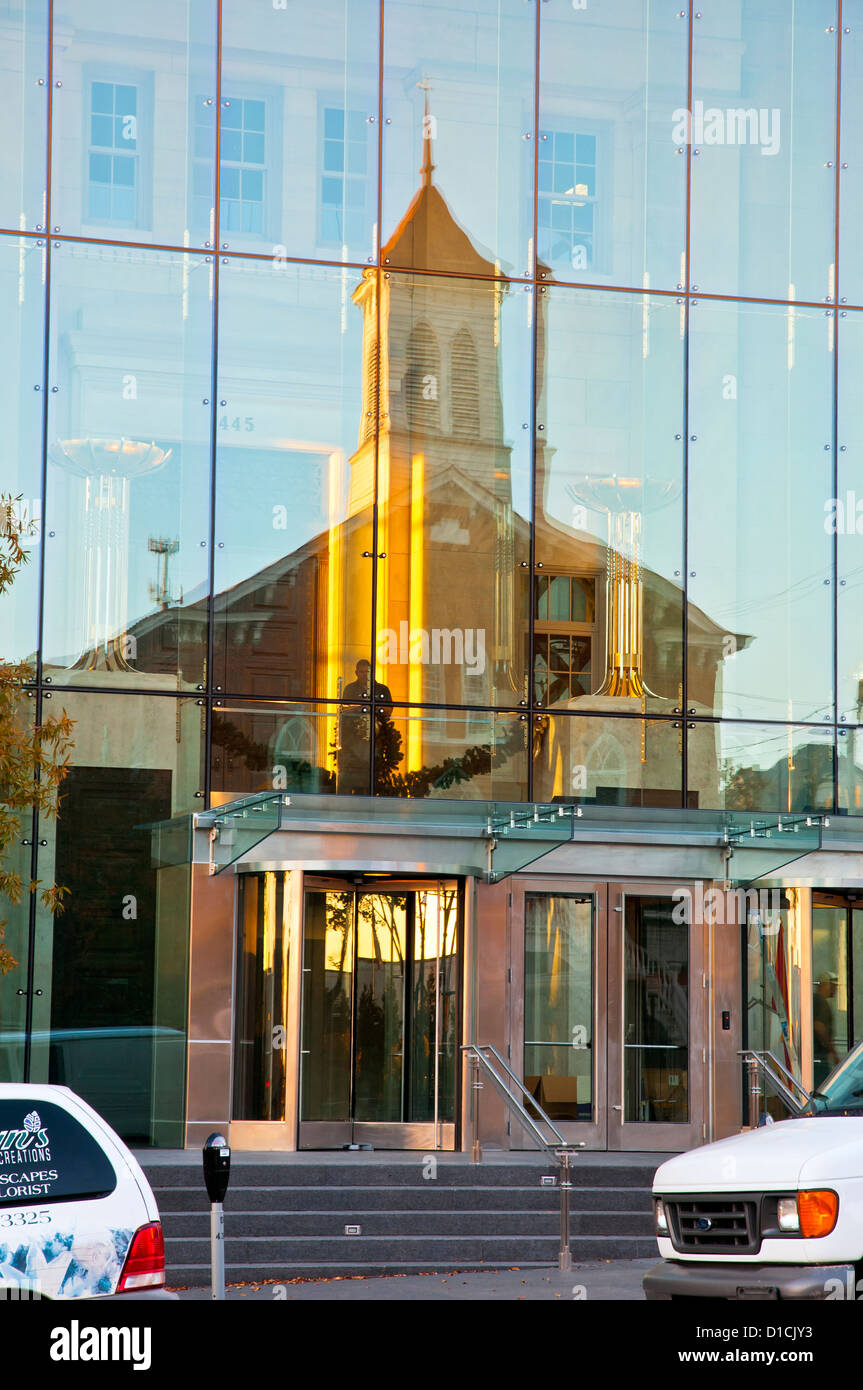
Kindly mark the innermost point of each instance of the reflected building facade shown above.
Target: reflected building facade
(400, 428)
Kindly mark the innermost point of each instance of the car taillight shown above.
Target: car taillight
(145, 1262)
(818, 1212)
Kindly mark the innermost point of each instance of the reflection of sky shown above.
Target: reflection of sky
(290, 356)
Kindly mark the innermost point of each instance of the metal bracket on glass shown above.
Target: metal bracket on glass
(237, 828)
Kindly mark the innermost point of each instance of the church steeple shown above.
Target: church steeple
(427, 167)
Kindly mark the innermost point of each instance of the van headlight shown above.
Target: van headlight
(660, 1217)
(787, 1215)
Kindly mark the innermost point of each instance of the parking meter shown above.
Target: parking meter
(217, 1172)
(217, 1167)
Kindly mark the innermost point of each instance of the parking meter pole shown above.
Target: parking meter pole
(217, 1172)
(217, 1249)
(565, 1257)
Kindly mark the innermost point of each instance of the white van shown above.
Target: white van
(773, 1213)
(77, 1216)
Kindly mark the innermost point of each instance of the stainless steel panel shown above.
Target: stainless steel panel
(404, 1136)
(261, 1136)
(211, 955)
(208, 1097)
(324, 1134)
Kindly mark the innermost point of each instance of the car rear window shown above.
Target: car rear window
(46, 1155)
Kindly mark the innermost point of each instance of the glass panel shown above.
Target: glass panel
(774, 958)
(851, 130)
(23, 115)
(454, 492)
(760, 609)
(831, 986)
(609, 499)
(266, 747)
(328, 974)
(134, 104)
(382, 943)
(843, 518)
(558, 1004)
(857, 964)
(764, 125)
(22, 323)
(260, 1031)
(760, 767)
(300, 98)
(612, 187)
(610, 762)
(294, 562)
(464, 754)
(434, 1004)
(129, 467)
(448, 169)
(111, 1022)
(655, 1012)
(14, 941)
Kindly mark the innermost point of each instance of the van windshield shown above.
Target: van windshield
(842, 1092)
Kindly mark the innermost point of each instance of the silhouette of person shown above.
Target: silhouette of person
(355, 736)
(825, 1055)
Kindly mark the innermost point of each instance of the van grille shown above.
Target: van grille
(709, 1223)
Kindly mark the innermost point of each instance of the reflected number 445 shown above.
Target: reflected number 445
(241, 424)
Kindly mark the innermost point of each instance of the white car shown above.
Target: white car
(773, 1213)
(77, 1216)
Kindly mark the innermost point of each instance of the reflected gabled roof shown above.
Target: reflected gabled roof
(429, 236)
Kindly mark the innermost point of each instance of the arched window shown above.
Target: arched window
(465, 387)
(422, 379)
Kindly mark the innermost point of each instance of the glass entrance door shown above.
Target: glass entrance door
(613, 1014)
(380, 1011)
(837, 979)
(656, 1021)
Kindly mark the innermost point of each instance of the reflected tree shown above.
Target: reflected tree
(34, 756)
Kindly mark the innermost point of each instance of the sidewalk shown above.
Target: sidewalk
(619, 1280)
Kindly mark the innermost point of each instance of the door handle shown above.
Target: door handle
(617, 1107)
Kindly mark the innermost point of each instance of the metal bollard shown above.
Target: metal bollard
(476, 1087)
(564, 1262)
(754, 1092)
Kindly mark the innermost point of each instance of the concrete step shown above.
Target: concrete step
(293, 1257)
(408, 1223)
(402, 1174)
(425, 1197)
(286, 1219)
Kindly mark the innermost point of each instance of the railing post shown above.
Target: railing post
(564, 1262)
(476, 1087)
(754, 1092)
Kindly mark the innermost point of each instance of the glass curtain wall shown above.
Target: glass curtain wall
(462, 407)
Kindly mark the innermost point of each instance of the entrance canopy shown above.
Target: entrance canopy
(488, 839)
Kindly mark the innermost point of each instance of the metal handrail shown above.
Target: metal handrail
(479, 1051)
(783, 1081)
(561, 1152)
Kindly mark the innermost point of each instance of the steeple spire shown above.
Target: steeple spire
(428, 127)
